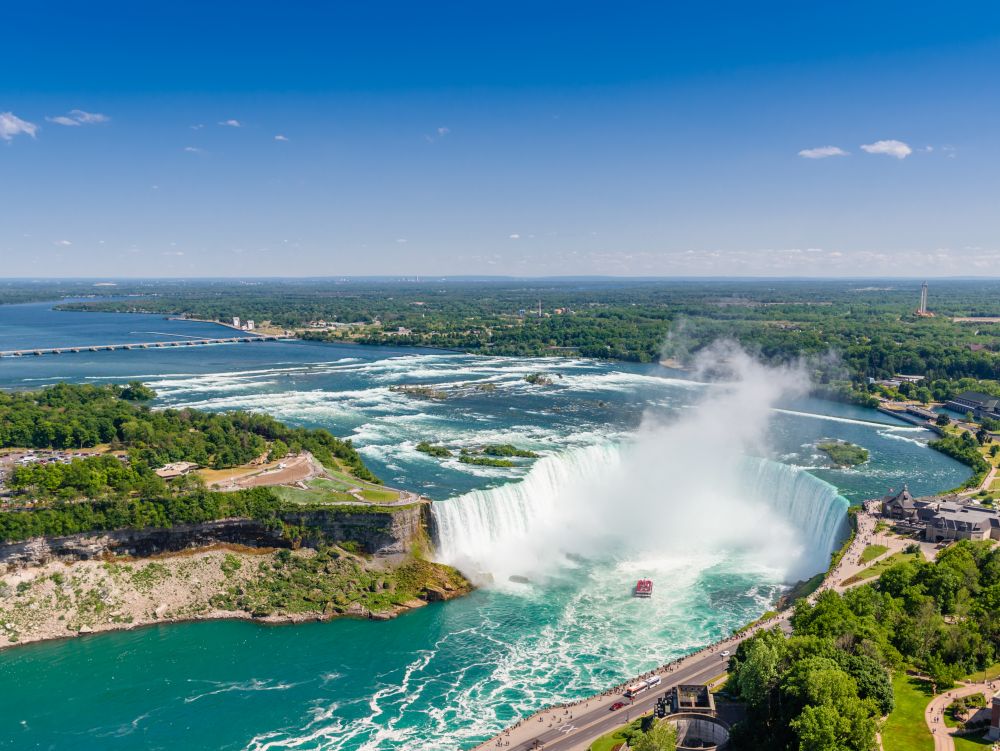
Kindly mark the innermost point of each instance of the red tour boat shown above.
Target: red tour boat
(643, 588)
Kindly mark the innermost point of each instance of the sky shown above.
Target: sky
(182, 139)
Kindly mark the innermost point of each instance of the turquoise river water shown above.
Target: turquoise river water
(716, 493)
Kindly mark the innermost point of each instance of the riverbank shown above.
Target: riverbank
(60, 599)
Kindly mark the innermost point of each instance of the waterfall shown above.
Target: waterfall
(576, 497)
(812, 506)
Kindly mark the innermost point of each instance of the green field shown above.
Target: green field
(878, 568)
(905, 729)
(990, 674)
(872, 552)
(333, 489)
(972, 743)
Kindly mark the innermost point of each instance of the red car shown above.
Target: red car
(617, 705)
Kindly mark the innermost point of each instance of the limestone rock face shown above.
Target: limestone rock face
(379, 534)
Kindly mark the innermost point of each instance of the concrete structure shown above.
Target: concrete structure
(940, 520)
(175, 469)
(138, 345)
(979, 404)
(994, 734)
(923, 299)
(691, 698)
(236, 322)
(699, 731)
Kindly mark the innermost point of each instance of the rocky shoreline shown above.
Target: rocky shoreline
(63, 599)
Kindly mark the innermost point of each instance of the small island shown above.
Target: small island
(489, 455)
(844, 454)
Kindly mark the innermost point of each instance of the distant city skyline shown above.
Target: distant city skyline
(524, 140)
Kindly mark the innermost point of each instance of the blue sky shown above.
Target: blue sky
(542, 138)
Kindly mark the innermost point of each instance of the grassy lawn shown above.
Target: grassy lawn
(872, 552)
(972, 743)
(313, 496)
(878, 568)
(990, 674)
(607, 742)
(905, 729)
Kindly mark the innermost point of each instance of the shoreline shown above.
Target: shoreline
(62, 600)
(223, 615)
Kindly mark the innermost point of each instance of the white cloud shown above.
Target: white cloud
(11, 125)
(231, 123)
(192, 150)
(443, 131)
(515, 236)
(79, 117)
(280, 137)
(88, 117)
(401, 240)
(822, 152)
(890, 147)
(64, 243)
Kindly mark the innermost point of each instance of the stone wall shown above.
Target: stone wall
(374, 533)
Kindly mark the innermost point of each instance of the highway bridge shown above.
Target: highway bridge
(37, 351)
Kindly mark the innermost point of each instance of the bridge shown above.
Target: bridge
(136, 345)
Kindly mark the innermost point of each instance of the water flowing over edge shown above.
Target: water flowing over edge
(468, 525)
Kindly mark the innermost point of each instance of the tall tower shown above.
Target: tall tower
(923, 299)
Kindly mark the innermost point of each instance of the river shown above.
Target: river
(635, 479)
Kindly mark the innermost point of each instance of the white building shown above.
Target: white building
(236, 322)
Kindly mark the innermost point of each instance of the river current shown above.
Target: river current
(616, 495)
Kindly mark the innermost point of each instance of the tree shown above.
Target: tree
(279, 450)
(136, 391)
(942, 420)
(662, 736)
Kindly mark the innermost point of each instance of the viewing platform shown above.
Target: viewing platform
(28, 352)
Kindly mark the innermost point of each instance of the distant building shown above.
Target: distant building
(236, 322)
(994, 733)
(249, 326)
(940, 520)
(175, 469)
(979, 404)
(923, 299)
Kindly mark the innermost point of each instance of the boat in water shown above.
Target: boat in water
(643, 588)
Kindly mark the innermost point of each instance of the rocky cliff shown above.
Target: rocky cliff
(373, 532)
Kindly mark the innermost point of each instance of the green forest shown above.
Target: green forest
(848, 331)
(829, 683)
(68, 416)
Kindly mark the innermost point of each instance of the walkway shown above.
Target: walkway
(934, 714)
